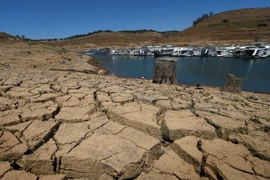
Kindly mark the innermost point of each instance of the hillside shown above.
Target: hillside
(238, 26)
(111, 39)
(9, 39)
(232, 27)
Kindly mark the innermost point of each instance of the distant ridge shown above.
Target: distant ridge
(231, 27)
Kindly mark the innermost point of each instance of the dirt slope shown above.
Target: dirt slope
(238, 26)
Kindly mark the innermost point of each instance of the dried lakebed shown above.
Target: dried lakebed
(68, 125)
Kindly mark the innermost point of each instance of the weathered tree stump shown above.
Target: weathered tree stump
(232, 84)
(165, 71)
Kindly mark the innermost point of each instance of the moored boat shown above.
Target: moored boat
(252, 52)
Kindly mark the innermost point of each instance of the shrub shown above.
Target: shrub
(201, 18)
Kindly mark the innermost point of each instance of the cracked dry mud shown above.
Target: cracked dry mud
(72, 125)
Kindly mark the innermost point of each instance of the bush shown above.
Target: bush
(203, 17)
(262, 25)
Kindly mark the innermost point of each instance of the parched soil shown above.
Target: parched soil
(60, 120)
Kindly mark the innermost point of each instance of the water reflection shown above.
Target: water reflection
(197, 70)
(249, 68)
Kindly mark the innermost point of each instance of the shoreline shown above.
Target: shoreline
(95, 62)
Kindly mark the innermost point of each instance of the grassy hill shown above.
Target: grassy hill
(232, 27)
(238, 26)
(111, 39)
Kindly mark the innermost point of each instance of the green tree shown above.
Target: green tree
(202, 17)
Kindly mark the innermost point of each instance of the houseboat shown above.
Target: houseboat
(253, 52)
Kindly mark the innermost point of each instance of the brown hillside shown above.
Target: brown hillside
(9, 39)
(238, 26)
(113, 39)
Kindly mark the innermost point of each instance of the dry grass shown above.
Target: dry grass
(114, 39)
(241, 28)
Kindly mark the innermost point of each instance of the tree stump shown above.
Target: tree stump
(165, 71)
(232, 84)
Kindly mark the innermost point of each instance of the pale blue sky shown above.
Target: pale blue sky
(38, 19)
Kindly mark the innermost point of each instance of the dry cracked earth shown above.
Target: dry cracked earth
(58, 125)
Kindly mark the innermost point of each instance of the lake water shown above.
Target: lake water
(196, 70)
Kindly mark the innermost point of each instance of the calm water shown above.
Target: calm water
(196, 70)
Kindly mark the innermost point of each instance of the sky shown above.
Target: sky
(43, 19)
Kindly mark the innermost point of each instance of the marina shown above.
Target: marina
(253, 51)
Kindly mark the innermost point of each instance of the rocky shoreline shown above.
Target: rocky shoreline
(70, 123)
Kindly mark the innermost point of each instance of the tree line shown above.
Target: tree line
(106, 31)
(202, 17)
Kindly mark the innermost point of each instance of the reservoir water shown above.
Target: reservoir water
(196, 70)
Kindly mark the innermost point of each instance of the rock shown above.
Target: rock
(42, 89)
(261, 167)
(19, 93)
(53, 177)
(121, 97)
(187, 149)
(103, 97)
(67, 140)
(71, 102)
(165, 71)
(102, 72)
(222, 170)
(232, 161)
(105, 177)
(225, 125)
(234, 155)
(71, 133)
(10, 117)
(171, 164)
(41, 162)
(10, 147)
(113, 127)
(68, 86)
(15, 174)
(155, 176)
(39, 132)
(87, 100)
(60, 100)
(97, 122)
(140, 139)
(254, 97)
(44, 97)
(113, 89)
(41, 111)
(103, 153)
(178, 124)
(19, 128)
(12, 81)
(257, 142)
(75, 114)
(232, 84)
(142, 118)
(6, 104)
(167, 104)
(149, 97)
(4, 167)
